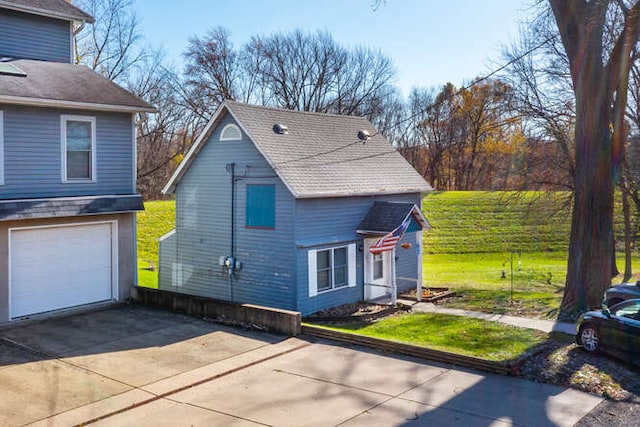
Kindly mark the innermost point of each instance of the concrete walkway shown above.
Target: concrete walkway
(136, 366)
(522, 322)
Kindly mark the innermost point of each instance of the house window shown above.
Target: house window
(1, 148)
(378, 266)
(78, 148)
(332, 268)
(230, 132)
(260, 206)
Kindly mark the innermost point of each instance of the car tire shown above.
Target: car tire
(589, 338)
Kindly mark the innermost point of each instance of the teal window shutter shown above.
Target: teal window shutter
(261, 206)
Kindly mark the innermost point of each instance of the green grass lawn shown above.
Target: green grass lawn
(473, 237)
(531, 271)
(157, 219)
(461, 335)
(538, 281)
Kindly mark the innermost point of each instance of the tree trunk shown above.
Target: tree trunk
(626, 210)
(590, 252)
(614, 264)
(600, 88)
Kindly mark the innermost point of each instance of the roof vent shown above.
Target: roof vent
(280, 129)
(363, 135)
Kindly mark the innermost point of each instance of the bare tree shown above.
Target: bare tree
(463, 139)
(600, 75)
(214, 71)
(162, 137)
(629, 181)
(296, 70)
(543, 95)
(109, 46)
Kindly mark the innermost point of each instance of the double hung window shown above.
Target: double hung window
(332, 268)
(78, 148)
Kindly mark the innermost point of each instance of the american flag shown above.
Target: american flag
(389, 241)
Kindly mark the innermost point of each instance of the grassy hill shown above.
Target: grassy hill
(488, 222)
(157, 219)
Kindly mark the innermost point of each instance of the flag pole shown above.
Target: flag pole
(394, 288)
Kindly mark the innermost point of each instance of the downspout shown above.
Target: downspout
(80, 28)
(231, 167)
(74, 33)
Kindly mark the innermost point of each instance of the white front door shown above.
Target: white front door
(377, 272)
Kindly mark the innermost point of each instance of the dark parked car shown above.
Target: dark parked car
(614, 330)
(622, 292)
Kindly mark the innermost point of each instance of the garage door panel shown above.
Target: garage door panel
(60, 267)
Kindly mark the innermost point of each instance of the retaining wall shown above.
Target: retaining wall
(271, 319)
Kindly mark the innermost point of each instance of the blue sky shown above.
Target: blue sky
(431, 42)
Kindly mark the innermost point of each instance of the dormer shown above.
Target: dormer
(39, 29)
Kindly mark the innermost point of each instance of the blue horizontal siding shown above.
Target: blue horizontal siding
(322, 223)
(203, 228)
(331, 298)
(275, 261)
(32, 150)
(34, 37)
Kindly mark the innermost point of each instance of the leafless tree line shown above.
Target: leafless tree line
(511, 132)
(457, 139)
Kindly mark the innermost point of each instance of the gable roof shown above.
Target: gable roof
(384, 217)
(320, 155)
(56, 84)
(60, 9)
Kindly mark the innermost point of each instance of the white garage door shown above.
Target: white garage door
(59, 267)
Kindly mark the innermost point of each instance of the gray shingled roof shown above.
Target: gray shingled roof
(321, 155)
(68, 206)
(65, 85)
(52, 8)
(384, 217)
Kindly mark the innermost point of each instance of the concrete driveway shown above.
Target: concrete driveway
(131, 365)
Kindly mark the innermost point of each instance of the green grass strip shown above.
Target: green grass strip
(455, 334)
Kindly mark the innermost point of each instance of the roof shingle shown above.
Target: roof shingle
(384, 217)
(60, 9)
(321, 155)
(67, 85)
(68, 206)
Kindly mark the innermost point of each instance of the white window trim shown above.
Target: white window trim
(313, 269)
(63, 137)
(226, 129)
(1, 147)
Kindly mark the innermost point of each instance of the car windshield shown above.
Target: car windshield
(629, 309)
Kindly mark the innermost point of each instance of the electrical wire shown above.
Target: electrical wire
(413, 116)
(383, 153)
(469, 86)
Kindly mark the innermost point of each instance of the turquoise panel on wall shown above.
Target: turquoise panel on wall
(261, 206)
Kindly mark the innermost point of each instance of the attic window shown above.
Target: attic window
(230, 132)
